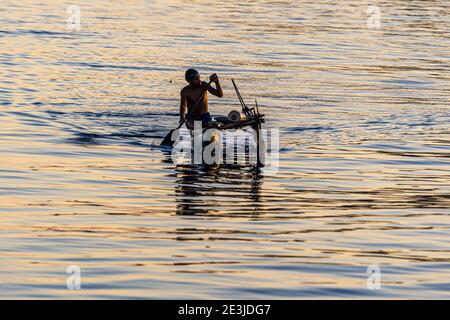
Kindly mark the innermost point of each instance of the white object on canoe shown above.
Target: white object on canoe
(236, 116)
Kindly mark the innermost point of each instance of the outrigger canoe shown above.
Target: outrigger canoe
(249, 117)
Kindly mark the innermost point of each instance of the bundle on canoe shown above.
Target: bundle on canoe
(227, 124)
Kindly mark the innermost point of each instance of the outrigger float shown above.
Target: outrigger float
(247, 118)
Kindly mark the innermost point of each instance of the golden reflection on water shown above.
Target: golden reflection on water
(205, 190)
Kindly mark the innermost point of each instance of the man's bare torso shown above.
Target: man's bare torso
(192, 94)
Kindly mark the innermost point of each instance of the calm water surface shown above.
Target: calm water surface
(364, 175)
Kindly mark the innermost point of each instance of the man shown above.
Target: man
(191, 93)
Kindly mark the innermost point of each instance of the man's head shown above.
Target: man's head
(193, 77)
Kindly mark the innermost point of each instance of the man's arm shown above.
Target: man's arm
(183, 104)
(218, 90)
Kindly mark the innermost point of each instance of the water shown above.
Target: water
(364, 168)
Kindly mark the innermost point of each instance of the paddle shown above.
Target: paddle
(168, 139)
